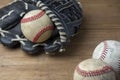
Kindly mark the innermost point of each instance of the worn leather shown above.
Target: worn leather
(68, 12)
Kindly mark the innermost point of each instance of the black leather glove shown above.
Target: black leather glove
(65, 14)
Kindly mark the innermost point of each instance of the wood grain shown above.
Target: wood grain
(101, 22)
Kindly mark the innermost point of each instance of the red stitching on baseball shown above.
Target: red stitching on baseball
(32, 18)
(104, 52)
(41, 32)
(105, 69)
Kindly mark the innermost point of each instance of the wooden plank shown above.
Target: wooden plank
(101, 22)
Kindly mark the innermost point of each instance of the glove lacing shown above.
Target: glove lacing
(53, 17)
(57, 22)
(2, 32)
(22, 41)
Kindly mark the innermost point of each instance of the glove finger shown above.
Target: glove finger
(15, 37)
(14, 13)
(8, 37)
(52, 48)
(18, 8)
(31, 48)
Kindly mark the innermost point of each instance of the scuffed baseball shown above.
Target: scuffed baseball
(94, 69)
(36, 26)
(109, 52)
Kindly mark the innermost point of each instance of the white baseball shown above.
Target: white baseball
(36, 26)
(94, 69)
(109, 52)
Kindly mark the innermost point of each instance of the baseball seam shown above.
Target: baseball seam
(41, 32)
(104, 52)
(105, 69)
(32, 18)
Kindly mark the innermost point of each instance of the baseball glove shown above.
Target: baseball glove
(65, 14)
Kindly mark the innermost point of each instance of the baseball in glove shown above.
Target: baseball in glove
(66, 16)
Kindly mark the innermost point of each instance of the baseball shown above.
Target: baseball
(109, 52)
(94, 69)
(36, 26)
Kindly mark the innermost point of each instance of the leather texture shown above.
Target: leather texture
(65, 14)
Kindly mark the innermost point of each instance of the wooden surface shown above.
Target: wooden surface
(101, 22)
